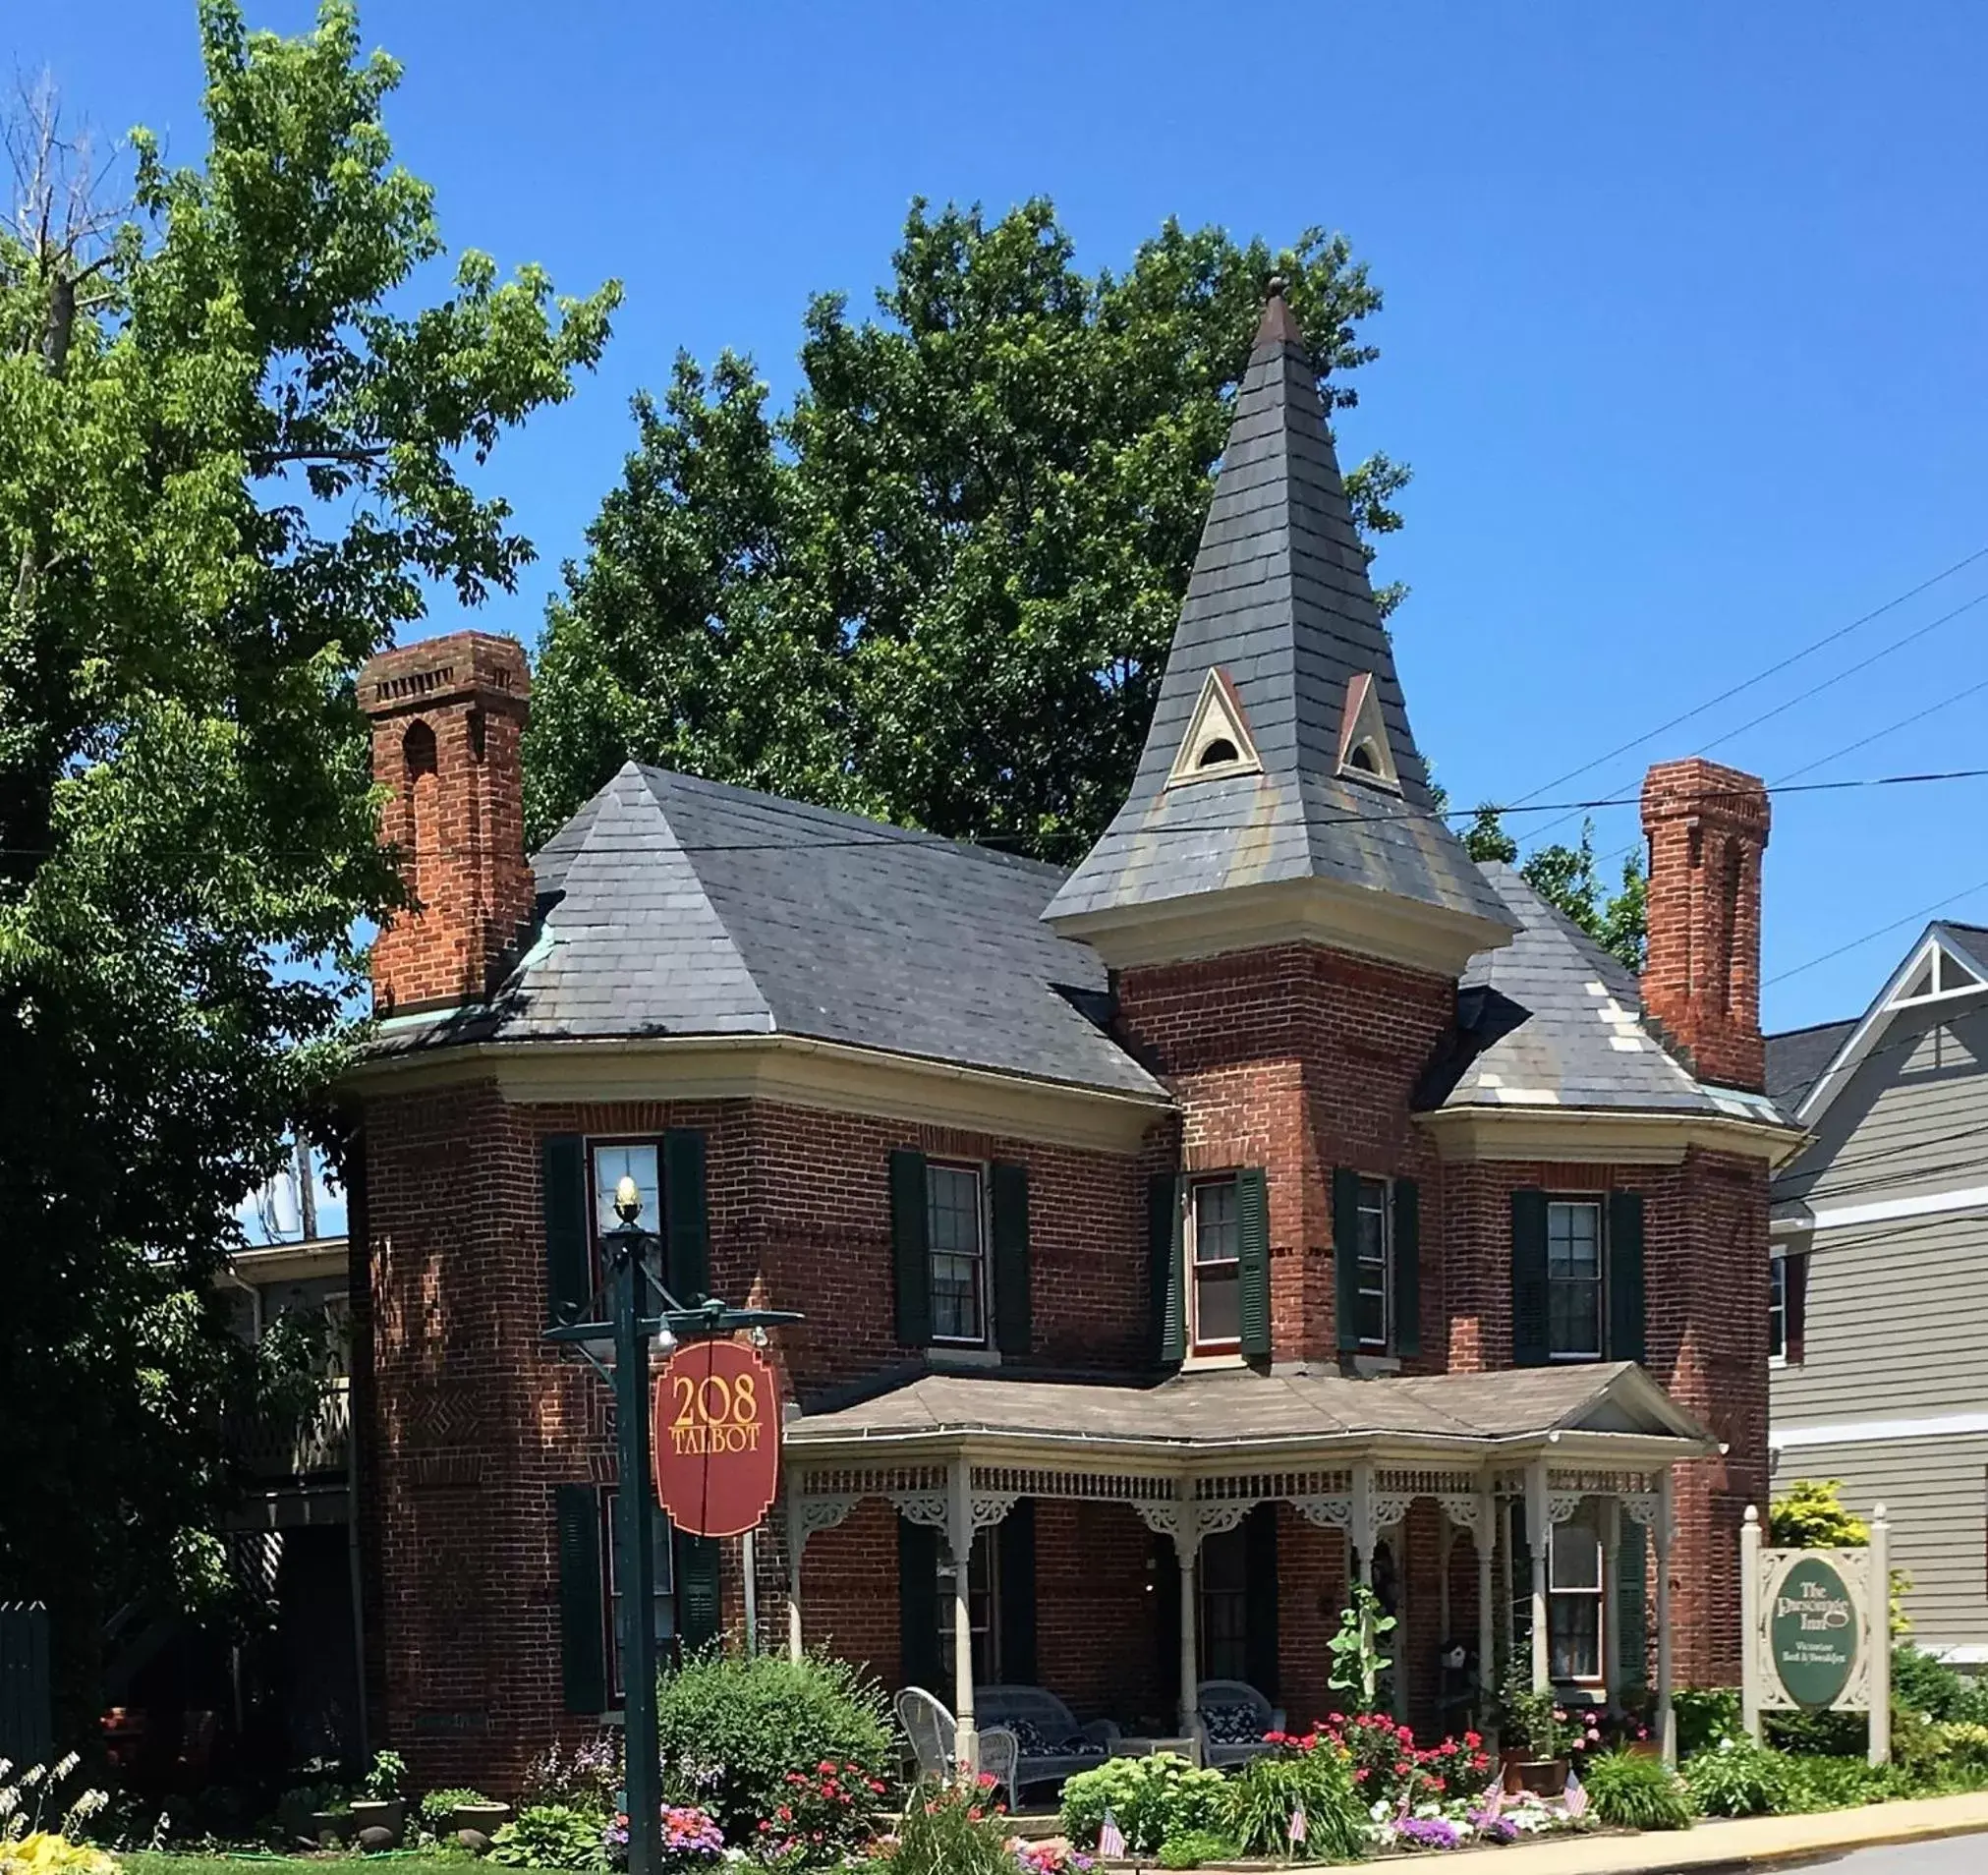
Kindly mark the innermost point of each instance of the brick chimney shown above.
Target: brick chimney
(1707, 829)
(447, 715)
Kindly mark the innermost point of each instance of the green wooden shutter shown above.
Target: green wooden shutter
(918, 1608)
(698, 1613)
(1252, 1210)
(687, 1273)
(1407, 1267)
(1013, 1319)
(1166, 1201)
(569, 1262)
(583, 1639)
(1625, 1275)
(1260, 1574)
(1633, 1643)
(1017, 1573)
(1530, 1328)
(1346, 1257)
(911, 1248)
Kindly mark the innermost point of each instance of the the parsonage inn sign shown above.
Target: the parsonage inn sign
(1818, 1630)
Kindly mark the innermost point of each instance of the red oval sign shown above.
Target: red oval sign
(715, 1433)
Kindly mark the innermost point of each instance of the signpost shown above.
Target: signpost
(1817, 1630)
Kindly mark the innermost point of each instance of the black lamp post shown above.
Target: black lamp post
(630, 1281)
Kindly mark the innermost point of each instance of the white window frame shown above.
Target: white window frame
(1197, 1343)
(1589, 1201)
(983, 1291)
(610, 1591)
(1363, 1263)
(1578, 1526)
(600, 1205)
(982, 1591)
(1777, 1311)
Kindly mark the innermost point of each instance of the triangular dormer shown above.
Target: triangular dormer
(1218, 742)
(1298, 839)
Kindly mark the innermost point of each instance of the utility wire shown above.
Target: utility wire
(1910, 918)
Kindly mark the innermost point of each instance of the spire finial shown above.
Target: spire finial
(1276, 289)
(1278, 325)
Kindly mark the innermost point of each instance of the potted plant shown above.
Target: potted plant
(1537, 1734)
(446, 1812)
(379, 1804)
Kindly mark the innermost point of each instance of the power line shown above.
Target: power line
(1910, 918)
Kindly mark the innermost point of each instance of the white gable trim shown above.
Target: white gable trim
(1363, 728)
(1218, 718)
(1922, 1204)
(1860, 1432)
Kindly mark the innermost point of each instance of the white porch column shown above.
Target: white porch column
(1611, 1637)
(959, 1537)
(1187, 1544)
(796, 1541)
(1538, 1538)
(1362, 1534)
(1879, 1627)
(1667, 1719)
(1749, 1622)
(1487, 1550)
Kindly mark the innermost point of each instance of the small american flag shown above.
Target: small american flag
(1298, 1826)
(1576, 1793)
(1493, 1804)
(1111, 1838)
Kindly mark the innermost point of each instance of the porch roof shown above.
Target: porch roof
(1208, 1415)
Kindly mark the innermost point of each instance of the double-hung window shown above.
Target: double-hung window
(1777, 1309)
(982, 1601)
(611, 1160)
(956, 1220)
(662, 1611)
(1214, 1228)
(1225, 1605)
(1375, 1251)
(1573, 1275)
(1574, 1601)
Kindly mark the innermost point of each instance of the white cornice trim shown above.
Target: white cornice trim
(1923, 1204)
(291, 1261)
(1572, 1135)
(791, 1070)
(1861, 1432)
(1319, 911)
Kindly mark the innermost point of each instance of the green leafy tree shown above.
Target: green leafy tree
(234, 446)
(1566, 877)
(940, 585)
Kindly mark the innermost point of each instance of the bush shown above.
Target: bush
(1192, 1848)
(1834, 1783)
(1315, 1775)
(1635, 1791)
(950, 1831)
(437, 1807)
(1966, 1744)
(550, 1836)
(736, 1729)
(588, 1777)
(1738, 1779)
(1706, 1717)
(1149, 1799)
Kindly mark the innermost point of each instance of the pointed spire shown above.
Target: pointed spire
(1279, 605)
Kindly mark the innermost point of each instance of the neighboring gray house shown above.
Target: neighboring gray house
(1879, 1306)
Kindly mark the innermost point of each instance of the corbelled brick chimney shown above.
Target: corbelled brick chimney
(1707, 827)
(447, 716)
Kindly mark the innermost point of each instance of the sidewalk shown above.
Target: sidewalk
(1747, 1843)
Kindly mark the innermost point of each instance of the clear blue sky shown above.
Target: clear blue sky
(1684, 329)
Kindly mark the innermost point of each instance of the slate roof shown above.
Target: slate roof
(1797, 1057)
(1222, 1410)
(1280, 602)
(1552, 1019)
(677, 906)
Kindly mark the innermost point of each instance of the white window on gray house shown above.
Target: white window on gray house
(1574, 1278)
(1376, 1260)
(1215, 1224)
(1777, 1309)
(956, 1234)
(1574, 1601)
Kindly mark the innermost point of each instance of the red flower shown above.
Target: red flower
(826, 1767)
(1473, 1739)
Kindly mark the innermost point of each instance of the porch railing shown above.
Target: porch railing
(320, 1442)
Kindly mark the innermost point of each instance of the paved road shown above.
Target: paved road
(1954, 1856)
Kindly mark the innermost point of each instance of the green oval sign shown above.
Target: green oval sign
(1813, 1628)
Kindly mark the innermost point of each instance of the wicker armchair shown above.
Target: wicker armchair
(934, 1741)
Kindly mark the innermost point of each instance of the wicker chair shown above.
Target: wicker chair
(1232, 1718)
(934, 1741)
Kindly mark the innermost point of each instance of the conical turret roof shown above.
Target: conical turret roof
(1281, 793)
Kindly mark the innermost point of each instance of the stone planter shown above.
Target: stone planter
(321, 1824)
(486, 1819)
(1543, 1777)
(379, 1813)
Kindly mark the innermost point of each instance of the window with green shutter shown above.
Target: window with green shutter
(1627, 1336)
(1014, 1325)
(1252, 1193)
(910, 1246)
(1530, 1334)
(918, 1663)
(1632, 1605)
(1015, 1576)
(1407, 1267)
(1346, 1258)
(686, 1211)
(698, 1615)
(1167, 1274)
(583, 1634)
(569, 1257)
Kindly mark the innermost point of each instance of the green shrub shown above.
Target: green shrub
(1824, 1735)
(1966, 1744)
(1192, 1848)
(437, 1807)
(1928, 1685)
(550, 1836)
(949, 1831)
(1834, 1782)
(1635, 1791)
(1149, 1799)
(1706, 1717)
(1270, 1789)
(733, 1728)
(1738, 1779)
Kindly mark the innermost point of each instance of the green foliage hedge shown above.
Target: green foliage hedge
(1633, 1790)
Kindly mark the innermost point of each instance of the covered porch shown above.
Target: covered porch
(1445, 1493)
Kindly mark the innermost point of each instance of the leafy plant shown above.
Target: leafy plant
(550, 1836)
(949, 1830)
(1388, 1768)
(588, 1776)
(1966, 1742)
(438, 1806)
(1832, 1783)
(41, 1832)
(1357, 1660)
(745, 1734)
(1314, 1775)
(1705, 1716)
(385, 1775)
(1635, 1791)
(1150, 1799)
(1738, 1779)
(691, 1840)
(1192, 1848)
(1535, 1714)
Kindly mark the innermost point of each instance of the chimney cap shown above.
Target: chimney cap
(1694, 789)
(462, 666)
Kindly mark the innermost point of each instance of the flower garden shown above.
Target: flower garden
(796, 1765)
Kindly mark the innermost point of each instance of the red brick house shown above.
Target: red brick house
(1277, 1197)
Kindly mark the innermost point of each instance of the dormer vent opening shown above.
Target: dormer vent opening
(1218, 741)
(1364, 749)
